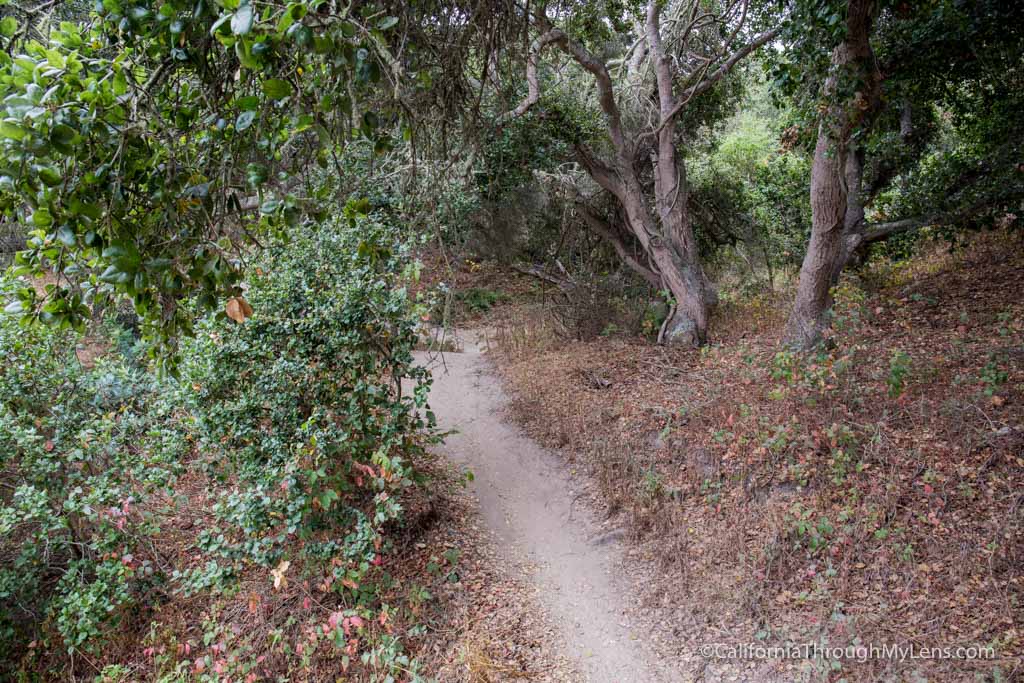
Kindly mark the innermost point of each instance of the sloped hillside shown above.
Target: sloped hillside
(867, 494)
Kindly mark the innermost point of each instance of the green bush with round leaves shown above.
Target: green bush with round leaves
(301, 406)
(81, 452)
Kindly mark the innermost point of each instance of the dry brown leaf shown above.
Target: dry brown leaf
(238, 309)
(279, 574)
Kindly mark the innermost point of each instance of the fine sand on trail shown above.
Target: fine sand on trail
(527, 499)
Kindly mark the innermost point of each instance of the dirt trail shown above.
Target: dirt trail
(527, 498)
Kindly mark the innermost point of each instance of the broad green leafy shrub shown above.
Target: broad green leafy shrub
(780, 196)
(301, 407)
(129, 154)
(81, 450)
(298, 415)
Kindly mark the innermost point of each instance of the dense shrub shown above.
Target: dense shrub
(81, 450)
(782, 208)
(301, 408)
(297, 415)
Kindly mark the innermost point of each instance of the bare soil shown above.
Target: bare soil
(532, 503)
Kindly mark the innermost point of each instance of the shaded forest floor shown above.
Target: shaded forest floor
(868, 494)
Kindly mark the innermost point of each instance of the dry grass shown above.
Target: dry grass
(724, 464)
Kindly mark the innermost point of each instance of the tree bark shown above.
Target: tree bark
(837, 211)
(660, 224)
(601, 228)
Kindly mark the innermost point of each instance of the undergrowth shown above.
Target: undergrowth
(266, 485)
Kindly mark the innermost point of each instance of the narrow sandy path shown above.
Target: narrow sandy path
(527, 499)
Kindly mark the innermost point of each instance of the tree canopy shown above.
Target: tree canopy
(147, 149)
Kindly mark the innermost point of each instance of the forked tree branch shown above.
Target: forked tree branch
(603, 174)
(706, 82)
(605, 88)
(599, 226)
(532, 80)
(605, 91)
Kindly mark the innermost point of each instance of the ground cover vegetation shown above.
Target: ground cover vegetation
(867, 493)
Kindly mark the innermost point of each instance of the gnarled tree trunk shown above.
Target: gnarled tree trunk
(836, 208)
(666, 238)
(659, 224)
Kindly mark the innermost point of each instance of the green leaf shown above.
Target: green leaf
(276, 88)
(285, 22)
(386, 23)
(63, 137)
(8, 26)
(244, 120)
(41, 218)
(241, 22)
(114, 276)
(49, 176)
(12, 131)
(66, 236)
(249, 103)
(88, 210)
(244, 54)
(120, 83)
(123, 255)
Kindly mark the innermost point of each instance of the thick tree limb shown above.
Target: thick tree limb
(877, 231)
(532, 81)
(666, 177)
(603, 174)
(872, 232)
(599, 226)
(662, 64)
